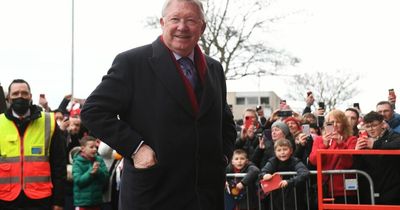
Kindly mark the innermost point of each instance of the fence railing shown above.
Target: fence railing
(309, 186)
(322, 205)
(323, 200)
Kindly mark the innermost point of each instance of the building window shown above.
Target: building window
(240, 100)
(252, 100)
(264, 100)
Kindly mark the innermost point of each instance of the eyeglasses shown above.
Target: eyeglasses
(188, 21)
(372, 126)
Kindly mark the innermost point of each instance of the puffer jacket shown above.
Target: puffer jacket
(88, 189)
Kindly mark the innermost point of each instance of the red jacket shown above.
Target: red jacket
(334, 162)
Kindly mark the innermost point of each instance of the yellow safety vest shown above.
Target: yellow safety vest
(24, 161)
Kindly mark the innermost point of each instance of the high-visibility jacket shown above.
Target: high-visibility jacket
(24, 160)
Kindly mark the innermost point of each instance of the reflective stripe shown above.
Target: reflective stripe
(9, 159)
(47, 132)
(9, 180)
(33, 179)
(36, 158)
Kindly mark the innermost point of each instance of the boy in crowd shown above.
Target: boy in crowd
(284, 161)
(383, 169)
(90, 175)
(236, 187)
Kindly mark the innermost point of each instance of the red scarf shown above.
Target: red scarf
(200, 62)
(235, 170)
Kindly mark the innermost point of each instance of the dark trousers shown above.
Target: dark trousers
(24, 203)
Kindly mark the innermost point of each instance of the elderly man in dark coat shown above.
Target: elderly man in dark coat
(174, 128)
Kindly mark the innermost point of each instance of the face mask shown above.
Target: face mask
(20, 105)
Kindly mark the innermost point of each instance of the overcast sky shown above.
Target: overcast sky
(359, 36)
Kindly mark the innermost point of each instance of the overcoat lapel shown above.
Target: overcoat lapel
(165, 69)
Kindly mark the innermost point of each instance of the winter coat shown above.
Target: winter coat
(383, 169)
(298, 181)
(88, 188)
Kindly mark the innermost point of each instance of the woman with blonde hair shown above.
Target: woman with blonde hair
(337, 134)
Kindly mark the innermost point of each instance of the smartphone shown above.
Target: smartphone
(356, 105)
(309, 93)
(321, 105)
(392, 97)
(42, 95)
(320, 121)
(329, 128)
(66, 117)
(285, 113)
(363, 133)
(248, 122)
(306, 129)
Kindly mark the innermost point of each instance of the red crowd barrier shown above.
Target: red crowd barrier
(322, 205)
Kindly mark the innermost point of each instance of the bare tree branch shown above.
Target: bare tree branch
(333, 88)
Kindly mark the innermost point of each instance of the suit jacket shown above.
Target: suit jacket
(143, 97)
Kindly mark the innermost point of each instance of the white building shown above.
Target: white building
(243, 100)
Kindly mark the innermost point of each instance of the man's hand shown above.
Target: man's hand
(57, 208)
(145, 157)
(43, 102)
(240, 186)
(283, 184)
(261, 143)
(361, 143)
(267, 177)
(64, 124)
(310, 100)
(302, 139)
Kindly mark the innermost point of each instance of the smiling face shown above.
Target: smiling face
(293, 127)
(375, 128)
(182, 26)
(89, 149)
(277, 133)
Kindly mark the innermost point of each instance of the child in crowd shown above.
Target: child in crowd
(239, 190)
(284, 161)
(90, 174)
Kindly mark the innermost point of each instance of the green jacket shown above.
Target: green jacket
(88, 189)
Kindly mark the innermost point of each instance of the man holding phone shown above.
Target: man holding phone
(43, 103)
(247, 140)
(392, 118)
(309, 102)
(379, 167)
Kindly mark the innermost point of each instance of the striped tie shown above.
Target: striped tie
(189, 70)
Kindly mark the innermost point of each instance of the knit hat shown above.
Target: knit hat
(281, 125)
(293, 119)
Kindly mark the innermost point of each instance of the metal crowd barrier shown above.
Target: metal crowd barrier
(322, 201)
(308, 187)
(322, 205)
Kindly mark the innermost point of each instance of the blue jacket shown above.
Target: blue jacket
(394, 123)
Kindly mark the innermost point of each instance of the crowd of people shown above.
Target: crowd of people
(157, 133)
(64, 167)
(264, 145)
(289, 142)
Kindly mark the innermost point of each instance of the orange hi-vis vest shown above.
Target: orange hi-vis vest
(24, 161)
